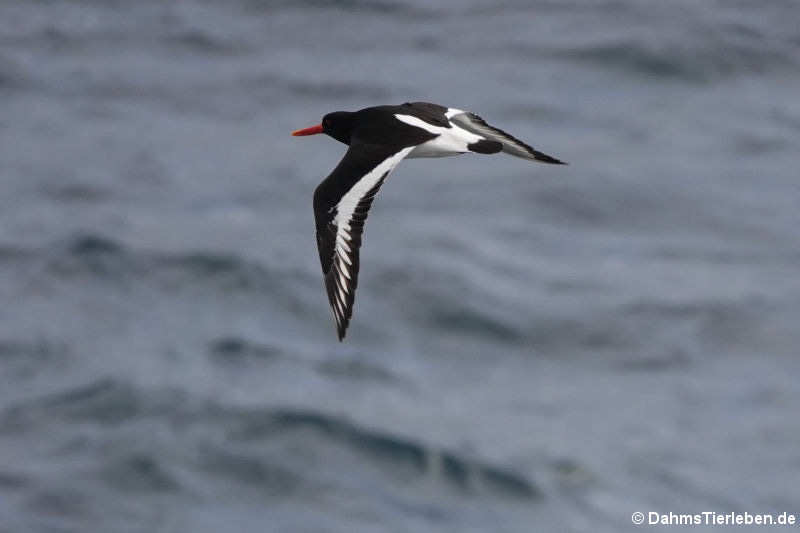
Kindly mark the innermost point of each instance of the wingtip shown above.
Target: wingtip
(341, 331)
(544, 158)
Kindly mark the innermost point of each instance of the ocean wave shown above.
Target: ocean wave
(104, 401)
(407, 454)
(238, 349)
(356, 369)
(473, 323)
(203, 42)
(266, 475)
(332, 90)
(102, 257)
(383, 7)
(252, 446)
(733, 322)
(10, 479)
(700, 62)
(12, 75)
(138, 472)
(593, 332)
(26, 358)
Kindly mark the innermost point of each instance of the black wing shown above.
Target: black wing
(341, 205)
(511, 145)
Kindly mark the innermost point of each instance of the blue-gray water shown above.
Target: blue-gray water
(534, 348)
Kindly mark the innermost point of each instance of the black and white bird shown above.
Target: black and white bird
(379, 138)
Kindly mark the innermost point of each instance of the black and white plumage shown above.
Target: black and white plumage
(379, 138)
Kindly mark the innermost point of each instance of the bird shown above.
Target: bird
(379, 138)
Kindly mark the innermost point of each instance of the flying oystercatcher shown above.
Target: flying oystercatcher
(379, 138)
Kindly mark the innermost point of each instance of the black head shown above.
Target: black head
(338, 125)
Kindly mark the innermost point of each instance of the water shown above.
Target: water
(533, 347)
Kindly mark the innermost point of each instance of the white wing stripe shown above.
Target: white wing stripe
(448, 141)
(347, 205)
(342, 274)
(419, 123)
(343, 269)
(453, 131)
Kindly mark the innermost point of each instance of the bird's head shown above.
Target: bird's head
(338, 125)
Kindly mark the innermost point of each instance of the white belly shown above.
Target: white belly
(438, 147)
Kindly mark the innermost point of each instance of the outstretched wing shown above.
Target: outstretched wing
(341, 205)
(511, 145)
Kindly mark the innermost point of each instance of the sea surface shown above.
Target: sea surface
(534, 347)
